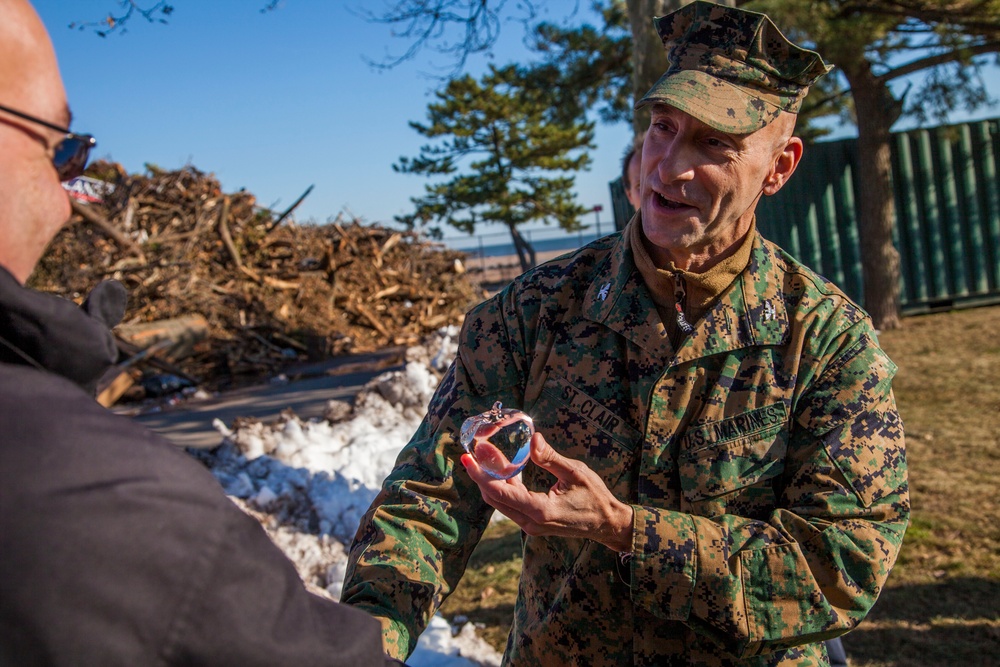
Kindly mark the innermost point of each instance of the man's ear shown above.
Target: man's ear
(784, 165)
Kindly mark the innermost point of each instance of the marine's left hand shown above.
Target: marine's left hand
(579, 504)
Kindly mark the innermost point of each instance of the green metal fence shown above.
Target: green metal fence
(947, 231)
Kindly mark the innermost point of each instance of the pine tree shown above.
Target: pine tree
(508, 154)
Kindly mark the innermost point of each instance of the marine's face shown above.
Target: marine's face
(700, 185)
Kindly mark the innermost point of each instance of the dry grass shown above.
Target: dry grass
(942, 605)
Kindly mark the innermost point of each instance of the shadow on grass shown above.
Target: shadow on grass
(501, 543)
(954, 622)
(487, 592)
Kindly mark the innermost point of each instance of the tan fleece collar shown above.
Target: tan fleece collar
(702, 288)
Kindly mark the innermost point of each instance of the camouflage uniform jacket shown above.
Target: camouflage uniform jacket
(764, 460)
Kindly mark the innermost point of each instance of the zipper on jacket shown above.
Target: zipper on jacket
(680, 301)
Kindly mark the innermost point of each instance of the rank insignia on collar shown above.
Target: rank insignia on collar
(769, 313)
(603, 294)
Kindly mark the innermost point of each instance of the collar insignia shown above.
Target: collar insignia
(769, 313)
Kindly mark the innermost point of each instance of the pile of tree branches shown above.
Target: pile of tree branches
(273, 292)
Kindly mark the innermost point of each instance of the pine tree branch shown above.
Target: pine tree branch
(954, 55)
(968, 15)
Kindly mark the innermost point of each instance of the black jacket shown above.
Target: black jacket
(116, 548)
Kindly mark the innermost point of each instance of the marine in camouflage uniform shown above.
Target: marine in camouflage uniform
(759, 451)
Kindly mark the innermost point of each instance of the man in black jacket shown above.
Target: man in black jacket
(115, 548)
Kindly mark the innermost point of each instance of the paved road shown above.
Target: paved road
(190, 424)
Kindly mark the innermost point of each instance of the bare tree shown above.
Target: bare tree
(158, 12)
(117, 21)
(456, 29)
(460, 28)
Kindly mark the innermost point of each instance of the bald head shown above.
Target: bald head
(33, 204)
(782, 128)
(26, 55)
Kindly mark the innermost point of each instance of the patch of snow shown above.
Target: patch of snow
(310, 482)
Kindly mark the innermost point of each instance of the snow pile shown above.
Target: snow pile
(310, 482)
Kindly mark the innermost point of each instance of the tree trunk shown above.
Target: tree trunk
(876, 111)
(649, 60)
(525, 252)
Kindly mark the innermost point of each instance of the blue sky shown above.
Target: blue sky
(277, 101)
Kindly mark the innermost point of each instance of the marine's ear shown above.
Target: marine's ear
(786, 160)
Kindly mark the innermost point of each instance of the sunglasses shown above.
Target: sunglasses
(69, 157)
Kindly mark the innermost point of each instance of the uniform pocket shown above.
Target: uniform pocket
(737, 454)
(580, 427)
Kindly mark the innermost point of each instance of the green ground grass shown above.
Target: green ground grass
(942, 604)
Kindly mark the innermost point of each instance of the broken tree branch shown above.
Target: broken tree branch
(288, 211)
(98, 220)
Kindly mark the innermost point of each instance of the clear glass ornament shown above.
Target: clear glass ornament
(499, 440)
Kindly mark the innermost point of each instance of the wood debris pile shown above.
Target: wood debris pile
(273, 292)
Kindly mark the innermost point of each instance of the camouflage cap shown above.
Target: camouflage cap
(731, 68)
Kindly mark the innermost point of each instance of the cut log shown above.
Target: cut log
(183, 333)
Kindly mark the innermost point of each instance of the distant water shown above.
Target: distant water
(565, 241)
